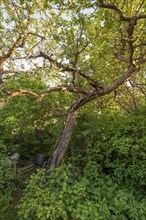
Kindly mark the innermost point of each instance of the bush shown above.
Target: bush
(119, 150)
(64, 194)
(107, 179)
(6, 179)
(112, 143)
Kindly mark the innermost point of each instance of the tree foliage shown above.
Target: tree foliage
(90, 49)
(67, 60)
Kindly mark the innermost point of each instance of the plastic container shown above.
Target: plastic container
(40, 159)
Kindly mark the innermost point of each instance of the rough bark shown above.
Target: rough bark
(64, 141)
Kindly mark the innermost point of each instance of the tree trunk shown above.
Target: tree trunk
(63, 142)
(67, 133)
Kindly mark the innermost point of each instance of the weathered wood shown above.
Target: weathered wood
(26, 171)
(63, 142)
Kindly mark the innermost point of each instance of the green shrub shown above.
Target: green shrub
(112, 143)
(6, 179)
(106, 181)
(119, 150)
(64, 194)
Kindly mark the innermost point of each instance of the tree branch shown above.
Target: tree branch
(16, 72)
(121, 58)
(132, 21)
(48, 91)
(37, 35)
(141, 16)
(112, 6)
(23, 92)
(139, 7)
(101, 92)
(91, 81)
(131, 70)
(17, 43)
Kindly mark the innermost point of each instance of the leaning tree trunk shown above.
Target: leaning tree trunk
(62, 145)
(63, 142)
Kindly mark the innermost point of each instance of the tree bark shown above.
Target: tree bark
(63, 142)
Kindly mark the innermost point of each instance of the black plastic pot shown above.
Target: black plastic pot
(40, 159)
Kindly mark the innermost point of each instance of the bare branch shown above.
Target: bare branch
(15, 45)
(84, 47)
(48, 91)
(130, 31)
(132, 21)
(23, 92)
(62, 89)
(139, 86)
